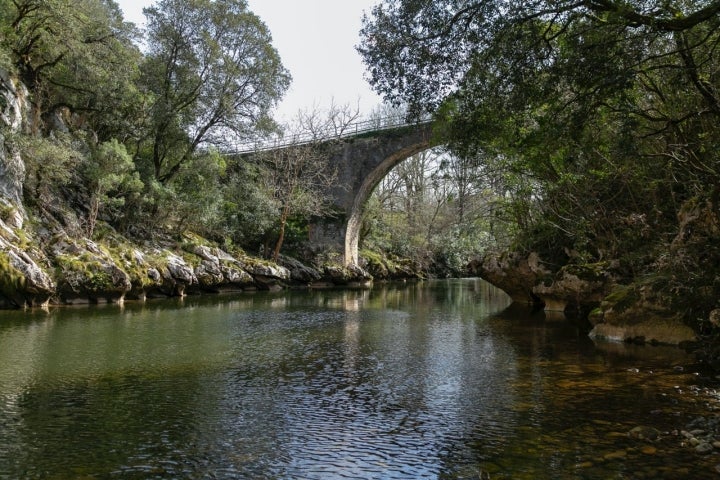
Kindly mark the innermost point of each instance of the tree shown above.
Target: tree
(435, 209)
(420, 52)
(111, 178)
(213, 75)
(589, 103)
(531, 75)
(77, 55)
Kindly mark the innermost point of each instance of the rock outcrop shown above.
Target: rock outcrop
(13, 104)
(86, 273)
(575, 287)
(619, 313)
(527, 279)
(633, 313)
(81, 271)
(351, 275)
(514, 273)
(383, 268)
(300, 273)
(23, 281)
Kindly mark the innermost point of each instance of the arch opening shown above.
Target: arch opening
(371, 181)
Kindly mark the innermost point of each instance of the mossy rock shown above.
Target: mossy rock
(377, 264)
(382, 267)
(85, 275)
(621, 298)
(12, 280)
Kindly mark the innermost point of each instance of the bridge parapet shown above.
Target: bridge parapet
(329, 134)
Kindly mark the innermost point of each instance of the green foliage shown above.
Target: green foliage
(213, 75)
(7, 211)
(74, 54)
(602, 116)
(248, 212)
(6, 64)
(198, 199)
(11, 280)
(112, 180)
(50, 165)
(127, 140)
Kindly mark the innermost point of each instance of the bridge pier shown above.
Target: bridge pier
(362, 164)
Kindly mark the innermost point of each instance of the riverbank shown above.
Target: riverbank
(618, 308)
(41, 268)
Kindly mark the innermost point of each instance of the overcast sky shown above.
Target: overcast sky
(316, 40)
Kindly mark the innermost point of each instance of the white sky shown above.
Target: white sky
(316, 40)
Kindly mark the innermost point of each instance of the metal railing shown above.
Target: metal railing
(329, 133)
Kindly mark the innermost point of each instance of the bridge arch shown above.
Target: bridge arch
(366, 188)
(361, 158)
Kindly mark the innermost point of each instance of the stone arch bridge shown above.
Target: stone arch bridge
(362, 158)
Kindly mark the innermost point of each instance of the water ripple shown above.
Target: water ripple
(416, 383)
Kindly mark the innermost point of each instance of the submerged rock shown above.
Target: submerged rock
(632, 312)
(645, 433)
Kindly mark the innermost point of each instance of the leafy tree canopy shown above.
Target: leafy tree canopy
(606, 109)
(213, 75)
(493, 62)
(76, 54)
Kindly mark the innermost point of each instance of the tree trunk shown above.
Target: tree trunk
(93, 212)
(281, 235)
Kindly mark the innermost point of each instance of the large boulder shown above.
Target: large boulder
(175, 275)
(219, 271)
(576, 287)
(144, 277)
(634, 313)
(300, 273)
(350, 275)
(267, 275)
(384, 268)
(514, 273)
(23, 282)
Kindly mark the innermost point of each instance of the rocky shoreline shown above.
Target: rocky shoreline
(69, 270)
(616, 311)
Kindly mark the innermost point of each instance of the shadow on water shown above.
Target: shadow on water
(442, 379)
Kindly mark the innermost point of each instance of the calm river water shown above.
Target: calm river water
(436, 380)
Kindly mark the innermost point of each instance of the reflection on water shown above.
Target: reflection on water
(431, 380)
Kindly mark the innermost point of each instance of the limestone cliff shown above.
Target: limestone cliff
(13, 106)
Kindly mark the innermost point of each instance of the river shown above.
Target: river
(434, 380)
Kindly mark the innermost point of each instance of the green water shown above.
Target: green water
(432, 380)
